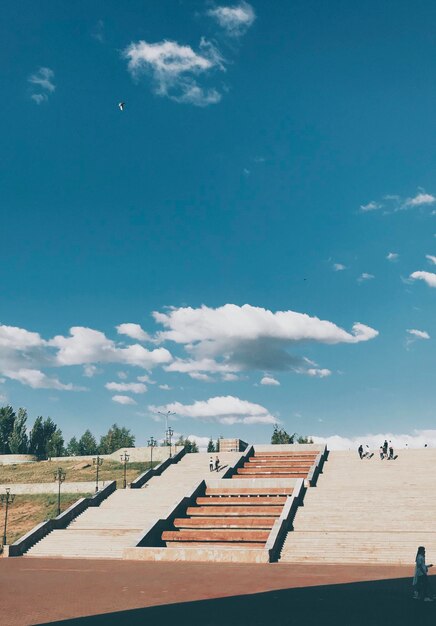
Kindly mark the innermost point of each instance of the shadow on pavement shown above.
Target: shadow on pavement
(374, 603)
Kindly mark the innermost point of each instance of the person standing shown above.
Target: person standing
(420, 580)
(360, 451)
(217, 463)
(391, 451)
(211, 464)
(385, 448)
(382, 454)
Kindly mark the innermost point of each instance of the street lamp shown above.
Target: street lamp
(7, 499)
(124, 459)
(97, 461)
(59, 475)
(166, 415)
(169, 433)
(151, 444)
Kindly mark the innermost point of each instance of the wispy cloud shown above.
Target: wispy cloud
(42, 82)
(392, 256)
(371, 206)
(235, 20)
(393, 203)
(38, 380)
(419, 200)
(127, 400)
(431, 258)
(132, 387)
(98, 32)
(175, 69)
(364, 277)
(419, 334)
(339, 267)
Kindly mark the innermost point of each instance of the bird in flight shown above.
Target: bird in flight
(121, 106)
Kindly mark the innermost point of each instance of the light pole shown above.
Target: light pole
(169, 433)
(166, 415)
(97, 461)
(59, 475)
(151, 444)
(7, 499)
(124, 459)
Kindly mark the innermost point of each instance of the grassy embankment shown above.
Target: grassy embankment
(42, 472)
(29, 510)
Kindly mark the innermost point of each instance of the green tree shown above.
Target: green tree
(210, 446)
(7, 419)
(87, 444)
(49, 430)
(72, 448)
(36, 439)
(115, 439)
(55, 445)
(18, 441)
(281, 436)
(191, 446)
(217, 445)
(304, 439)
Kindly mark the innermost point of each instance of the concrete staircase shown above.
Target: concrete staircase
(104, 531)
(282, 464)
(367, 511)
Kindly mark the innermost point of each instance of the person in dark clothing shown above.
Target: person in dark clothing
(391, 451)
(360, 451)
(385, 448)
(217, 463)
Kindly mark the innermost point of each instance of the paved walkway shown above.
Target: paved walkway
(35, 488)
(39, 591)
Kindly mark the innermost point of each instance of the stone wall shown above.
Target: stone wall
(11, 459)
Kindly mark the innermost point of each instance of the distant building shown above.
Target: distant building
(232, 445)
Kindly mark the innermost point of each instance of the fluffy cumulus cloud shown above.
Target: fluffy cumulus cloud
(269, 380)
(85, 345)
(121, 399)
(42, 83)
(222, 409)
(417, 439)
(427, 277)
(132, 387)
(339, 267)
(235, 20)
(175, 69)
(392, 256)
(419, 334)
(134, 331)
(38, 380)
(317, 372)
(231, 338)
(16, 338)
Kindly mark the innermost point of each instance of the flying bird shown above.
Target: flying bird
(121, 106)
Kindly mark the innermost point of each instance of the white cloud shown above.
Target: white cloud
(202, 442)
(364, 277)
(132, 387)
(146, 379)
(202, 365)
(235, 20)
(16, 338)
(42, 80)
(339, 267)
(221, 409)
(123, 375)
(85, 345)
(269, 380)
(318, 373)
(90, 370)
(123, 400)
(392, 256)
(175, 68)
(38, 380)
(427, 277)
(371, 206)
(417, 439)
(229, 377)
(134, 331)
(165, 387)
(203, 377)
(431, 258)
(98, 32)
(232, 322)
(420, 334)
(419, 200)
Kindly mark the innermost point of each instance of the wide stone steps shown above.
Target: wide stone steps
(225, 535)
(234, 511)
(241, 500)
(224, 522)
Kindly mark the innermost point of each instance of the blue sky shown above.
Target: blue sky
(274, 164)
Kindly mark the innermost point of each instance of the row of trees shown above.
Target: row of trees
(281, 436)
(45, 439)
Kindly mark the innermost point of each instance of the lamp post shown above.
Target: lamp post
(59, 475)
(169, 433)
(124, 459)
(97, 461)
(151, 444)
(166, 415)
(7, 499)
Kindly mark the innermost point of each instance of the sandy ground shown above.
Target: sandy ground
(39, 591)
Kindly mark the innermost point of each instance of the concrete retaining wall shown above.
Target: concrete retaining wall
(282, 525)
(141, 454)
(12, 459)
(35, 488)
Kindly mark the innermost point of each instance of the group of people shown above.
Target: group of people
(386, 451)
(214, 465)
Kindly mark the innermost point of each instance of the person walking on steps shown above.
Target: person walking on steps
(211, 464)
(391, 451)
(217, 463)
(420, 580)
(382, 454)
(360, 451)
(385, 448)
